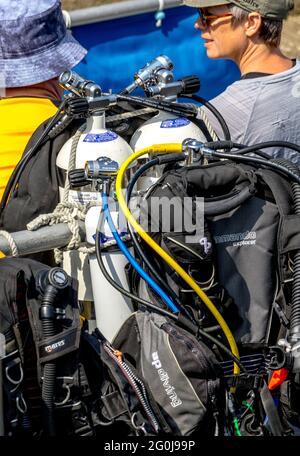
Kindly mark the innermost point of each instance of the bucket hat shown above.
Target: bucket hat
(35, 45)
(272, 9)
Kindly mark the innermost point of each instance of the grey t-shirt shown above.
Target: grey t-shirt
(261, 109)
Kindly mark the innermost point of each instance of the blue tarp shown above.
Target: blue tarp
(119, 47)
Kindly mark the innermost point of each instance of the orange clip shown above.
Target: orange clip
(118, 354)
(278, 377)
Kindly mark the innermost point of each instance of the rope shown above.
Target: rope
(67, 19)
(72, 161)
(160, 14)
(208, 125)
(70, 213)
(12, 245)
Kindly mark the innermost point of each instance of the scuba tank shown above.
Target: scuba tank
(163, 128)
(110, 309)
(157, 80)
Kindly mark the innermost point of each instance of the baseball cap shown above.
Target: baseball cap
(272, 9)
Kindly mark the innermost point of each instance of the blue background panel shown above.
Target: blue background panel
(119, 47)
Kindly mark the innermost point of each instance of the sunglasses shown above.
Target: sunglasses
(207, 19)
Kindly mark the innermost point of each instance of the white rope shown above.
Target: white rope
(161, 4)
(12, 245)
(208, 125)
(160, 15)
(72, 160)
(70, 213)
(67, 19)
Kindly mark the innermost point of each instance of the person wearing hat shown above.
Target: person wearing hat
(35, 47)
(264, 104)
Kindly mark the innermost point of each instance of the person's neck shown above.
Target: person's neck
(260, 58)
(49, 89)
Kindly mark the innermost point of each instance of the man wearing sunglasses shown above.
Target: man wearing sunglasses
(264, 104)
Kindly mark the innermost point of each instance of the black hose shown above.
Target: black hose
(259, 161)
(222, 347)
(294, 335)
(118, 287)
(269, 144)
(49, 371)
(134, 237)
(174, 108)
(214, 111)
(216, 145)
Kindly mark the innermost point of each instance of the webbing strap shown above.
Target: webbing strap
(271, 411)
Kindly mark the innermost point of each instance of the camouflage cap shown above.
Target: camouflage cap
(273, 9)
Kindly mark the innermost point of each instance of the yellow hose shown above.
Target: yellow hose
(163, 149)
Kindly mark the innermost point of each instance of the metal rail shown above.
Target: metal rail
(118, 10)
(41, 240)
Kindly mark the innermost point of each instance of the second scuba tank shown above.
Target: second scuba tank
(163, 128)
(111, 307)
(94, 142)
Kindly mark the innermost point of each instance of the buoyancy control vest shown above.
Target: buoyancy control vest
(248, 214)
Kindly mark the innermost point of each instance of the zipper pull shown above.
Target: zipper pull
(118, 355)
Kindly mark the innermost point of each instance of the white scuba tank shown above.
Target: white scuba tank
(95, 141)
(109, 305)
(163, 128)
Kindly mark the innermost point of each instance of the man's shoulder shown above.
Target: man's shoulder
(237, 92)
(247, 89)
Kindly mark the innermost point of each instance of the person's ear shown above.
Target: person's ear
(253, 24)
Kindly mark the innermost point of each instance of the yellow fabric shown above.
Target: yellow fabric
(19, 118)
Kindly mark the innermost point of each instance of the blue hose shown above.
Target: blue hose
(131, 259)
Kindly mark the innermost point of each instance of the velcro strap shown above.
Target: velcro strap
(59, 345)
(271, 411)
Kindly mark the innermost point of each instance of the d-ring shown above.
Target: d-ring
(135, 426)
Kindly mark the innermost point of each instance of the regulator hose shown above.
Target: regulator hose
(173, 108)
(256, 161)
(141, 253)
(214, 111)
(217, 145)
(294, 333)
(113, 283)
(132, 260)
(49, 282)
(49, 371)
(163, 149)
(255, 148)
